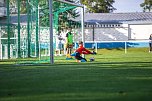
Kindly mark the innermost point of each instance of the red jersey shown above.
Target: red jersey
(83, 50)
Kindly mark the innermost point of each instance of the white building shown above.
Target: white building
(118, 26)
(2, 8)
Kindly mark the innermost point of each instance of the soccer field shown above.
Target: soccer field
(113, 76)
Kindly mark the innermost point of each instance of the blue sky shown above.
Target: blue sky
(127, 6)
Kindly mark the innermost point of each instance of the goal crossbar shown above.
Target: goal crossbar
(78, 5)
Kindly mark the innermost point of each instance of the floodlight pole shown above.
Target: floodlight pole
(51, 32)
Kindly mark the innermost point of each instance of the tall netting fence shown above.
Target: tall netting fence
(4, 42)
(25, 32)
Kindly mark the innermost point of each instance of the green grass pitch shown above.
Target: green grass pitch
(113, 76)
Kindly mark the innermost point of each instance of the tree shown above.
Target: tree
(147, 5)
(99, 6)
(62, 13)
(64, 18)
(13, 6)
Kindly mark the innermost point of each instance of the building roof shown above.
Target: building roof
(14, 19)
(23, 19)
(129, 18)
(100, 18)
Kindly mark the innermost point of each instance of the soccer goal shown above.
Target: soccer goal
(57, 16)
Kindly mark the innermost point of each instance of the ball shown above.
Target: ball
(92, 59)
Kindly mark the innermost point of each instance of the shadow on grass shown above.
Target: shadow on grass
(84, 65)
(90, 81)
(109, 65)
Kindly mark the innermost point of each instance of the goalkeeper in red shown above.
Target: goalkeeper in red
(81, 50)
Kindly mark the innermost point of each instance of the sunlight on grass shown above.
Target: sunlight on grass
(113, 76)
